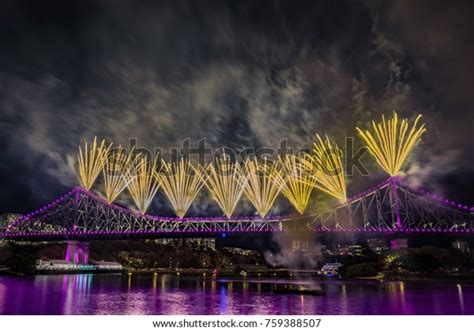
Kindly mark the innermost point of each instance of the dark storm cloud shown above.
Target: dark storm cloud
(245, 73)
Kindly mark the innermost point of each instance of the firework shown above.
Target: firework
(326, 168)
(225, 181)
(295, 182)
(261, 189)
(116, 172)
(91, 160)
(181, 182)
(143, 182)
(391, 141)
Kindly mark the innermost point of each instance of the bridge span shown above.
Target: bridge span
(390, 207)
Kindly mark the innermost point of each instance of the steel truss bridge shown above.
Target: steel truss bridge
(389, 207)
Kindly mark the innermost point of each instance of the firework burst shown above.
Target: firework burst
(295, 182)
(143, 182)
(391, 141)
(116, 172)
(181, 183)
(261, 188)
(91, 159)
(326, 168)
(226, 181)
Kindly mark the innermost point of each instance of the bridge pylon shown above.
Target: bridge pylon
(77, 252)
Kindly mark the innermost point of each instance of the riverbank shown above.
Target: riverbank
(466, 278)
(277, 274)
(288, 275)
(263, 272)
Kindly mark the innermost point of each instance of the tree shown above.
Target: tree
(22, 263)
(361, 270)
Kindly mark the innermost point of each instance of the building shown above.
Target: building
(463, 246)
(209, 243)
(377, 245)
(175, 242)
(55, 265)
(3, 223)
(107, 265)
(398, 244)
(7, 219)
(299, 245)
(239, 251)
(64, 265)
(343, 250)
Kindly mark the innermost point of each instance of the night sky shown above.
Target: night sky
(237, 73)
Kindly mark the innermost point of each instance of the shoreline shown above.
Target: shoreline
(463, 279)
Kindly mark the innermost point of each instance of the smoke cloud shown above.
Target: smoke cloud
(245, 74)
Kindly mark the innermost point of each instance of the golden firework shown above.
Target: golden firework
(181, 182)
(91, 159)
(295, 182)
(225, 181)
(261, 188)
(116, 172)
(391, 141)
(326, 168)
(143, 182)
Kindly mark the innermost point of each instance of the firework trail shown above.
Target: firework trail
(181, 183)
(143, 182)
(91, 159)
(326, 168)
(295, 182)
(261, 189)
(226, 182)
(391, 141)
(117, 169)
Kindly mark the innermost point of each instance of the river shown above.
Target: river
(164, 294)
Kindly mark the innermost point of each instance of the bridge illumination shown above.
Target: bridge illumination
(389, 207)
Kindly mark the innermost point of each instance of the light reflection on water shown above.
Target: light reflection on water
(166, 294)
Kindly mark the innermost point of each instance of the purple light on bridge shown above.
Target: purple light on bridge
(41, 213)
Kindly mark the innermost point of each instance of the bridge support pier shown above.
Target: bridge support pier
(77, 252)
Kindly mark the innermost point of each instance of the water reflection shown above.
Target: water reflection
(460, 296)
(344, 299)
(223, 309)
(171, 294)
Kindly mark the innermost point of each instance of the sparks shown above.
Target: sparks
(91, 160)
(143, 182)
(295, 182)
(325, 165)
(116, 172)
(261, 189)
(225, 181)
(181, 183)
(390, 142)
